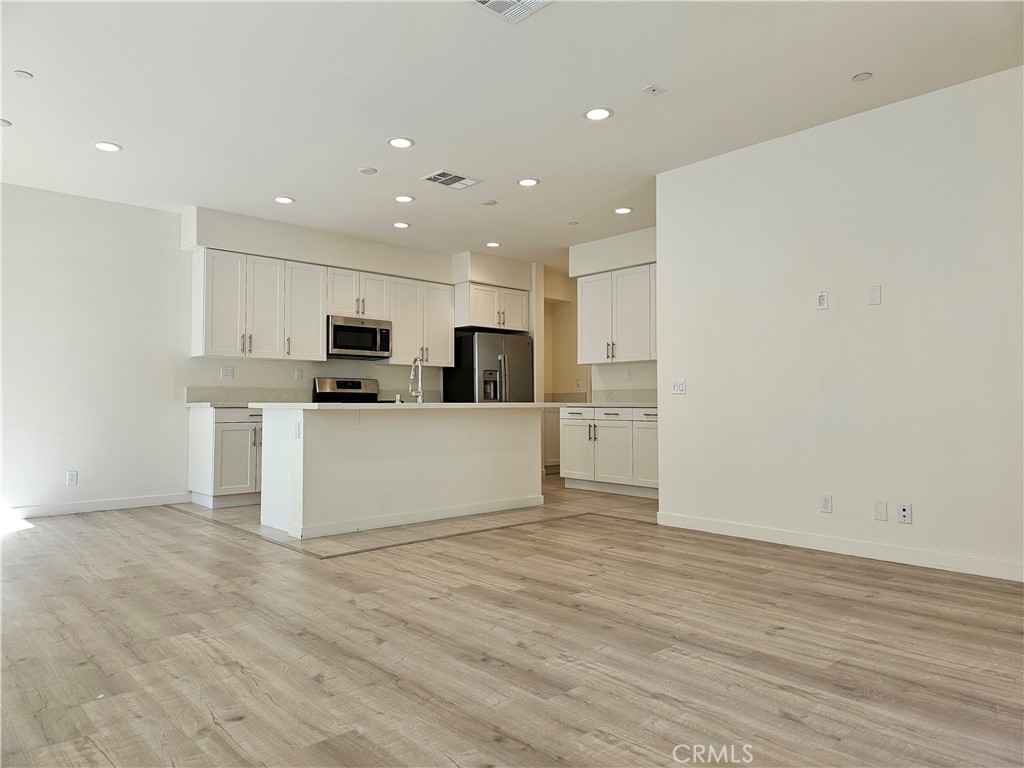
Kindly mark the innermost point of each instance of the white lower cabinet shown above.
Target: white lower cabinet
(615, 446)
(224, 464)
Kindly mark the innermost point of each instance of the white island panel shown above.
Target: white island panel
(358, 468)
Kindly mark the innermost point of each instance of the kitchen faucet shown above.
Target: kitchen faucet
(416, 374)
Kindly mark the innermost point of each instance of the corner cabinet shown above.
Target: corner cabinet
(225, 456)
(422, 323)
(615, 316)
(258, 307)
(491, 306)
(610, 449)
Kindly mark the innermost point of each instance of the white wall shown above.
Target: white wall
(492, 270)
(96, 319)
(918, 399)
(626, 250)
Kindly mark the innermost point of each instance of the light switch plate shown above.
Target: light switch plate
(874, 295)
(881, 510)
(227, 372)
(678, 386)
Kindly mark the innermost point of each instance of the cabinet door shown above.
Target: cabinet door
(645, 453)
(234, 459)
(374, 293)
(223, 275)
(259, 456)
(406, 320)
(342, 293)
(484, 305)
(439, 324)
(515, 310)
(551, 430)
(305, 325)
(264, 307)
(654, 312)
(613, 452)
(594, 312)
(631, 314)
(576, 450)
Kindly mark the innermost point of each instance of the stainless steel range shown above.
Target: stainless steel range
(331, 390)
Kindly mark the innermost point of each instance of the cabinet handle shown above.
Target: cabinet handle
(364, 306)
(250, 343)
(613, 350)
(503, 317)
(590, 431)
(607, 350)
(426, 354)
(595, 433)
(575, 413)
(243, 344)
(254, 438)
(288, 345)
(609, 413)
(650, 414)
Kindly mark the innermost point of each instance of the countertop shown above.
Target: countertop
(391, 406)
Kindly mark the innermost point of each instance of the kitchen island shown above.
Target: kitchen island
(338, 467)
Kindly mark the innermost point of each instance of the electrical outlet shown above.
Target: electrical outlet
(826, 503)
(881, 510)
(629, 374)
(298, 374)
(72, 477)
(678, 386)
(874, 295)
(227, 372)
(579, 383)
(822, 299)
(298, 430)
(904, 513)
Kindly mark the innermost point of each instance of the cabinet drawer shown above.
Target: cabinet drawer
(645, 414)
(576, 413)
(614, 414)
(237, 415)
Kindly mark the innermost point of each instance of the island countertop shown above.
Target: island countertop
(392, 406)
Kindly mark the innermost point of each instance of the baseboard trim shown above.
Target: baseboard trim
(417, 516)
(623, 490)
(224, 502)
(926, 558)
(99, 505)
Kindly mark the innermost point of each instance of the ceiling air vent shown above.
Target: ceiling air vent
(449, 179)
(512, 11)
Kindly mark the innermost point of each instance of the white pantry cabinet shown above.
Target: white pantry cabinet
(358, 294)
(225, 446)
(615, 318)
(491, 306)
(422, 323)
(259, 307)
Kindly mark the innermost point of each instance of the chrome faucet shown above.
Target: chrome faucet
(416, 374)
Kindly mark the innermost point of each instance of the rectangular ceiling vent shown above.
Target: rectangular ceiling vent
(452, 180)
(512, 11)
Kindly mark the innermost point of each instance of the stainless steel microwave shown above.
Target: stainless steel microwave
(357, 337)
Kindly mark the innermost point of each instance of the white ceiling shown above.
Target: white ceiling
(225, 105)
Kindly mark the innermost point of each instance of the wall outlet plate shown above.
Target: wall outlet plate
(826, 503)
(298, 374)
(72, 477)
(822, 299)
(227, 372)
(678, 386)
(904, 512)
(874, 295)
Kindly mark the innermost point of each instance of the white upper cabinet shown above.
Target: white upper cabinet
(358, 294)
(264, 307)
(422, 323)
(305, 323)
(615, 316)
(218, 303)
(490, 306)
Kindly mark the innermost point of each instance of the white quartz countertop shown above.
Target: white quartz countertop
(389, 406)
(600, 405)
(225, 405)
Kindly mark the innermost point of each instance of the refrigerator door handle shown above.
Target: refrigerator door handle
(501, 378)
(508, 377)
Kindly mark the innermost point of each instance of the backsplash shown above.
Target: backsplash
(625, 382)
(645, 396)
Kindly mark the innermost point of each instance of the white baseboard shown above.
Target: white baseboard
(946, 561)
(622, 490)
(49, 510)
(223, 502)
(418, 516)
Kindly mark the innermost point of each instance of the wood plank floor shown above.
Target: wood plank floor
(150, 637)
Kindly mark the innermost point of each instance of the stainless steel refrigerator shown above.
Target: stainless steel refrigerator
(490, 367)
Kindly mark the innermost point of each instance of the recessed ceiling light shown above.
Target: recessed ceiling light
(489, 202)
(598, 113)
(5, 123)
(401, 225)
(623, 210)
(284, 200)
(528, 182)
(862, 76)
(400, 142)
(404, 198)
(573, 223)
(493, 245)
(368, 170)
(107, 146)
(23, 74)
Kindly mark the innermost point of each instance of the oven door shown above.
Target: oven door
(355, 337)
